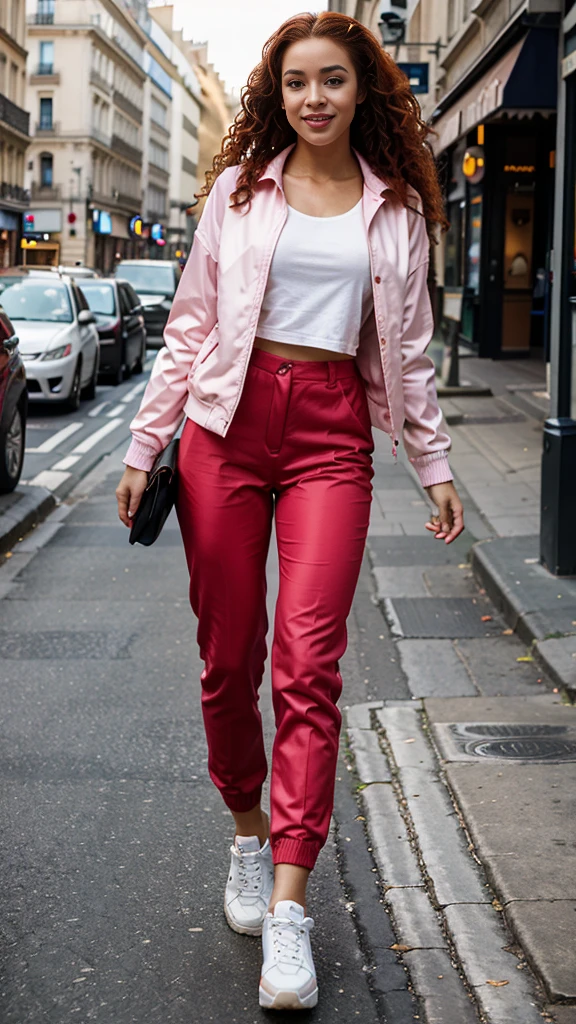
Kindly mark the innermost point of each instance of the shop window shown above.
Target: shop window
(46, 170)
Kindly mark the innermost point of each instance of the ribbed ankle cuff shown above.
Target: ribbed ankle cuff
(242, 802)
(302, 852)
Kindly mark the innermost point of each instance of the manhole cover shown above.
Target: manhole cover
(467, 741)
(451, 617)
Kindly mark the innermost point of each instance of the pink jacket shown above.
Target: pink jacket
(209, 335)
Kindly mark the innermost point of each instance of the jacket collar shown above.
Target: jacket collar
(275, 169)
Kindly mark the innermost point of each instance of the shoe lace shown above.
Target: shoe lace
(287, 938)
(249, 874)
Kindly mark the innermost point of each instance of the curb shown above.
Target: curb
(34, 505)
(550, 652)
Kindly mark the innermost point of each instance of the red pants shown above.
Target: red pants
(299, 449)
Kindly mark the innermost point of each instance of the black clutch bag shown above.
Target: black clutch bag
(158, 498)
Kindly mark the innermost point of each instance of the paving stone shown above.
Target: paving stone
(492, 666)
(546, 930)
(438, 984)
(416, 923)
(388, 978)
(403, 727)
(558, 656)
(399, 499)
(543, 707)
(417, 551)
(454, 875)
(521, 819)
(400, 1007)
(480, 940)
(399, 581)
(561, 1014)
(433, 669)
(450, 581)
(358, 715)
(371, 764)
(440, 617)
(383, 528)
(391, 847)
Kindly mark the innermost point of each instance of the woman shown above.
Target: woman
(301, 319)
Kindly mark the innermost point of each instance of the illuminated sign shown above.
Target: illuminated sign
(101, 222)
(156, 232)
(473, 165)
(136, 226)
(519, 168)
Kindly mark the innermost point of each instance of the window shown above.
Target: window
(46, 63)
(46, 170)
(46, 113)
(45, 12)
(158, 155)
(14, 82)
(156, 201)
(158, 112)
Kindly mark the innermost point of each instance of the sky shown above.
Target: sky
(236, 30)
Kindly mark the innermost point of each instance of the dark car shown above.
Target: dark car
(13, 407)
(156, 282)
(120, 323)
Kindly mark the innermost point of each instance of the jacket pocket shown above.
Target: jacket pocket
(208, 345)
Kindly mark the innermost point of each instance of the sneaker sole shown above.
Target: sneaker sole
(287, 1000)
(241, 929)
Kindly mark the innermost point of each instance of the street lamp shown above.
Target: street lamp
(392, 29)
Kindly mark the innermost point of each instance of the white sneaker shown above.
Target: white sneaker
(249, 885)
(288, 980)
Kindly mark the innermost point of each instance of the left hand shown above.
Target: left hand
(449, 522)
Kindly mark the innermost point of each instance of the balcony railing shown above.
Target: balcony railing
(41, 18)
(47, 127)
(126, 150)
(44, 69)
(15, 192)
(14, 116)
(127, 106)
(97, 79)
(101, 136)
(46, 192)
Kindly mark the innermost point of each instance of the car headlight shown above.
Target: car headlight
(57, 353)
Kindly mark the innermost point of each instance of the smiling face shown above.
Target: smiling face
(319, 90)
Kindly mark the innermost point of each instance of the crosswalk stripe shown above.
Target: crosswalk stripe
(52, 442)
(97, 436)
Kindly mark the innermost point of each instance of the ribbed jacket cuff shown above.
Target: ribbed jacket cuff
(140, 456)
(433, 469)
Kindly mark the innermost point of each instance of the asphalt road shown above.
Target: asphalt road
(114, 843)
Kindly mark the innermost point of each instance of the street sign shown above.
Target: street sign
(417, 75)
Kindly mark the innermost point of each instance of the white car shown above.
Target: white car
(58, 335)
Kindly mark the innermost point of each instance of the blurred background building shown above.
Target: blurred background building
(14, 127)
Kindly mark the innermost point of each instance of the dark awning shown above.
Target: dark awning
(523, 80)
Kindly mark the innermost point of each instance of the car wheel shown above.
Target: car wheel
(89, 392)
(72, 403)
(12, 441)
(118, 376)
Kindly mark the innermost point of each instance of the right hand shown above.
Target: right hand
(129, 492)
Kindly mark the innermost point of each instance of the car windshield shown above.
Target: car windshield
(157, 280)
(35, 299)
(100, 298)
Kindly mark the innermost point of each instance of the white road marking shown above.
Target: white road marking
(49, 478)
(89, 442)
(52, 442)
(116, 411)
(98, 409)
(67, 462)
(134, 391)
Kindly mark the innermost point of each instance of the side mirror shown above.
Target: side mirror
(86, 316)
(137, 309)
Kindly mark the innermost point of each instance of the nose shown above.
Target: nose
(315, 97)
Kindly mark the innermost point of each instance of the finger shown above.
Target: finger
(445, 513)
(457, 524)
(135, 499)
(433, 527)
(123, 499)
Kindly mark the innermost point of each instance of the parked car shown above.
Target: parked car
(120, 323)
(13, 407)
(79, 271)
(58, 335)
(155, 281)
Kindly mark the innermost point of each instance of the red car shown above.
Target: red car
(13, 407)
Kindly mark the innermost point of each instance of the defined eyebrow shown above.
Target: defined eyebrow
(323, 71)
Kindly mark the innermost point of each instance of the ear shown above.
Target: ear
(362, 94)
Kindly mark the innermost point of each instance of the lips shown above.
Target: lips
(318, 120)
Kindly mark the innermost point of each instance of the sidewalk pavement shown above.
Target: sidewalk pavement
(466, 788)
(21, 511)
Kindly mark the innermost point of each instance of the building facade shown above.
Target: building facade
(14, 128)
(86, 93)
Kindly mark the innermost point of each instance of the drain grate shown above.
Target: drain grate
(464, 741)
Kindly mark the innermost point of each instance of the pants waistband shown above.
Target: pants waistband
(304, 369)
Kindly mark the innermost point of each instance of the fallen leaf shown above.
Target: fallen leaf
(497, 984)
(507, 632)
(8, 554)
(486, 618)
(526, 657)
(411, 740)
(401, 947)
(195, 929)
(462, 565)
(497, 905)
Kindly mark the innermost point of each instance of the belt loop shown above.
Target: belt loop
(331, 374)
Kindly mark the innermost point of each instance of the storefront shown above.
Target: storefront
(9, 234)
(41, 238)
(496, 146)
(113, 240)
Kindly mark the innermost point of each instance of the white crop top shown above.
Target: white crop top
(319, 289)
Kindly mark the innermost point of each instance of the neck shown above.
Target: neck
(335, 162)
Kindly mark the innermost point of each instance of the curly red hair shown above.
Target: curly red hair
(387, 129)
